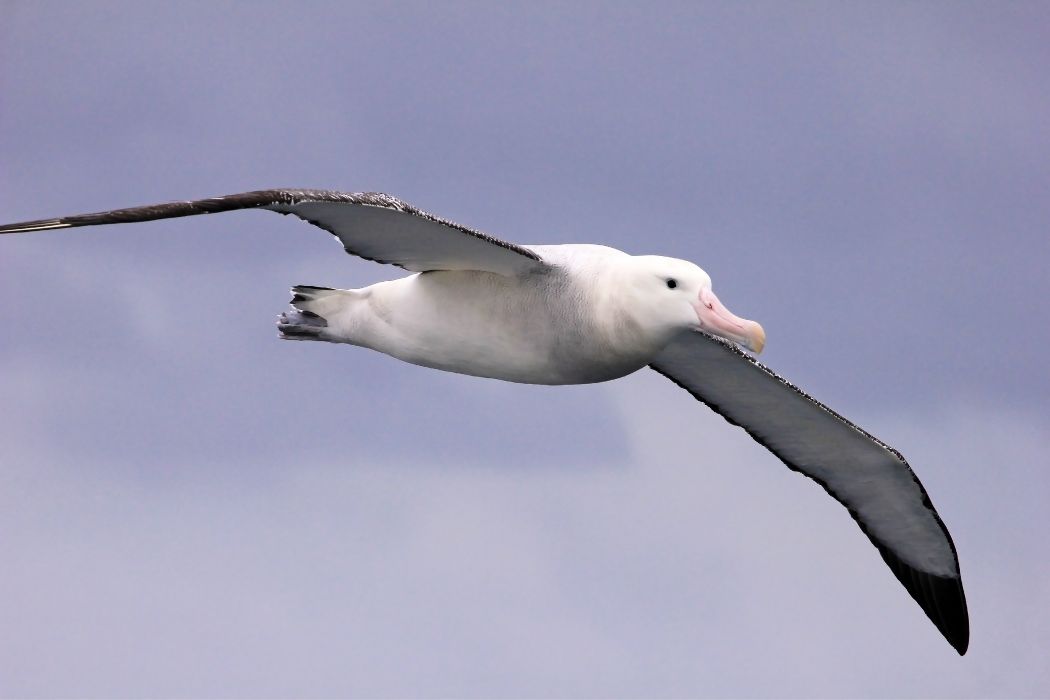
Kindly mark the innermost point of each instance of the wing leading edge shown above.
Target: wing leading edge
(870, 478)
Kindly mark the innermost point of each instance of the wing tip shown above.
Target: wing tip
(31, 226)
(941, 597)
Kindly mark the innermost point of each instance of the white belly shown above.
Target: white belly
(478, 323)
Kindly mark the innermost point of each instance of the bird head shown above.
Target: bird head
(670, 295)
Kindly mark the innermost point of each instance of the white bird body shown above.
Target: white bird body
(568, 324)
(575, 314)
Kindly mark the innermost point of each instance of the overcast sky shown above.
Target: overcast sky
(190, 507)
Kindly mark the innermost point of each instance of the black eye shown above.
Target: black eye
(671, 283)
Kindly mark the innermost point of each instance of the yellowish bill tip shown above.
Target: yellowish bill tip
(756, 338)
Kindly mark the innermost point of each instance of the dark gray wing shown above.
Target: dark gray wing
(370, 225)
(867, 476)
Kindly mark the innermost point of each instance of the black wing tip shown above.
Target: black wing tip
(940, 597)
(962, 643)
(31, 226)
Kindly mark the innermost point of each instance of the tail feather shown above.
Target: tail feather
(323, 301)
(301, 325)
(308, 319)
(302, 293)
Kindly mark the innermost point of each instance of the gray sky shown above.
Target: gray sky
(190, 507)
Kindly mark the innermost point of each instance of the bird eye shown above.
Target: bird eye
(672, 283)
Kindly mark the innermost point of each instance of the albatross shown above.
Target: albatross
(577, 314)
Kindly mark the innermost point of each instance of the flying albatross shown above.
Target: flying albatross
(575, 314)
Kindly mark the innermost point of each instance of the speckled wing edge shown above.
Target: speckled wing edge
(258, 199)
(940, 597)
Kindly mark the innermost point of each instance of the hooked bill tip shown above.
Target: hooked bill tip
(756, 338)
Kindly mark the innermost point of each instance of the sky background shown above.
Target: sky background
(190, 507)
